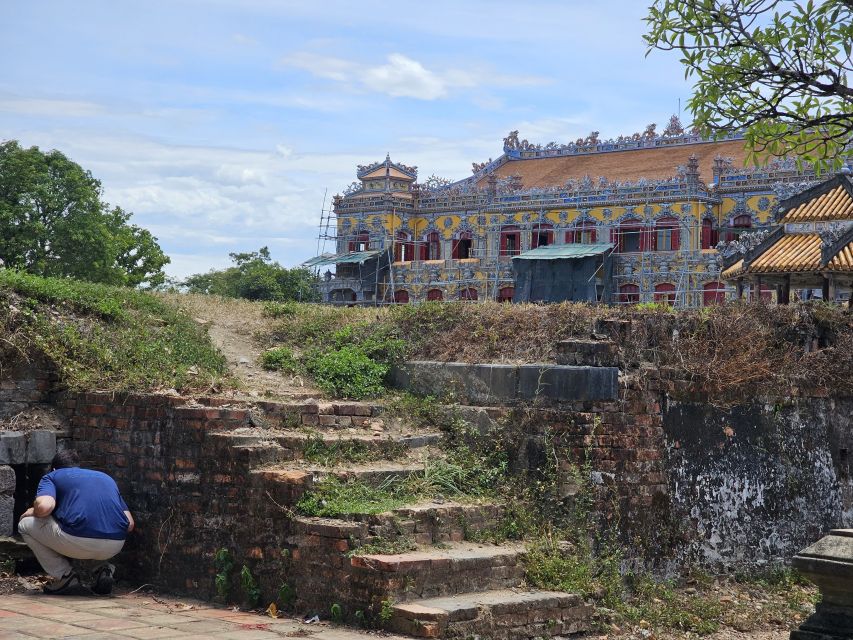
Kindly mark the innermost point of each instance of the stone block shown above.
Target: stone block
(41, 447)
(567, 383)
(7, 515)
(472, 383)
(12, 448)
(7, 480)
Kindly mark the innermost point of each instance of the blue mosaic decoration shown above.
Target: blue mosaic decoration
(527, 218)
(608, 213)
(648, 210)
(763, 203)
(448, 222)
(686, 208)
(564, 216)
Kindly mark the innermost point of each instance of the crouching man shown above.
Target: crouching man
(78, 513)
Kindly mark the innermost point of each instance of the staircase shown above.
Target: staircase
(441, 584)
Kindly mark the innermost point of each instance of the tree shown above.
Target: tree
(778, 70)
(255, 276)
(53, 222)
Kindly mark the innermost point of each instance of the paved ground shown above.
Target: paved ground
(33, 615)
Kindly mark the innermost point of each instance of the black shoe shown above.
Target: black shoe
(103, 584)
(58, 586)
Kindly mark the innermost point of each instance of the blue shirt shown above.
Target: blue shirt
(88, 503)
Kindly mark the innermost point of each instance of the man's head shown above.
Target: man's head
(65, 459)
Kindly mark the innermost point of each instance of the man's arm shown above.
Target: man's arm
(42, 508)
(131, 524)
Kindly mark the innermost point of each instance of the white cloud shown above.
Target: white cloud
(401, 76)
(49, 107)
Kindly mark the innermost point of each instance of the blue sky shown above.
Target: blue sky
(220, 123)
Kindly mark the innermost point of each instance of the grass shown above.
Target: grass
(107, 338)
(332, 453)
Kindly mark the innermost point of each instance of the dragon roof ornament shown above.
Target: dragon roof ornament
(674, 133)
(363, 169)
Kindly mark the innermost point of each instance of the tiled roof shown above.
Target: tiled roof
(800, 252)
(843, 260)
(733, 271)
(835, 204)
(653, 164)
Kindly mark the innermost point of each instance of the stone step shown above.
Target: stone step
(497, 615)
(253, 448)
(438, 571)
(288, 482)
(433, 522)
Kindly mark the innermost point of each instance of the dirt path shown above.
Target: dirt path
(231, 325)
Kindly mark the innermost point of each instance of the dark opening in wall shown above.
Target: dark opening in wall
(27, 477)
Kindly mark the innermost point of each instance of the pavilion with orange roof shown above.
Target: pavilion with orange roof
(810, 249)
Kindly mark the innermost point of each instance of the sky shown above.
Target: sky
(223, 124)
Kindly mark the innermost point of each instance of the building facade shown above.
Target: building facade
(663, 202)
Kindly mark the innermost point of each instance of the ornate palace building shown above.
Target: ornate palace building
(627, 220)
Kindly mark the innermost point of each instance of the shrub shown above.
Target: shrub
(280, 359)
(348, 373)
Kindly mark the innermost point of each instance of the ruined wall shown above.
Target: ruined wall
(725, 487)
(722, 483)
(757, 482)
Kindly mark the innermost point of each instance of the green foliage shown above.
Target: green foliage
(779, 70)
(348, 373)
(223, 563)
(336, 613)
(54, 223)
(577, 570)
(286, 595)
(255, 276)
(106, 337)
(251, 590)
(279, 309)
(386, 610)
(662, 604)
(417, 411)
(332, 497)
(385, 546)
(377, 341)
(280, 359)
(331, 453)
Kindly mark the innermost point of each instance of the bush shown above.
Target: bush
(280, 359)
(348, 373)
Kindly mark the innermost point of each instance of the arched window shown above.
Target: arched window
(713, 293)
(431, 248)
(542, 235)
(584, 233)
(629, 237)
(629, 294)
(462, 245)
(510, 241)
(401, 296)
(434, 294)
(506, 294)
(361, 242)
(666, 236)
(710, 234)
(739, 225)
(404, 248)
(468, 294)
(665, 293)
